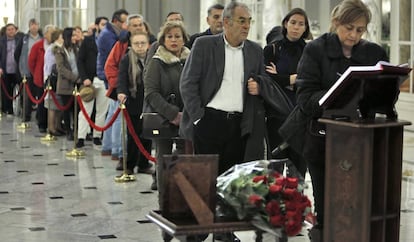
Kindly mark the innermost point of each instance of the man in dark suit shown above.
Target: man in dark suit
(220, 91)
(223, 111)
(8, 65)
(214, 21)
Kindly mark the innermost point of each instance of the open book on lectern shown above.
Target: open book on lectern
(364, 91)
(354, 72)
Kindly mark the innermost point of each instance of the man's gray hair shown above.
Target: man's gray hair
(132, 16)
(229, 9)
(49, 27)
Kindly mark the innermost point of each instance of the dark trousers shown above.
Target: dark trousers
(10, 80)
(273, 125)
(219, 133)
(41, 112)
(68, 113)
(314, 153)
(134, 154)
(28, 104)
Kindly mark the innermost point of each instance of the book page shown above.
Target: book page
(382, 67)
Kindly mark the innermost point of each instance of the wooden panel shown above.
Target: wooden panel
(200, 210)
(199, 170)
(347, 195)
(363, 181)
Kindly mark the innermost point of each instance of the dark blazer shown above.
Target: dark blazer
(86, 60)
(3, 51)
(201, 79)
(193, 37)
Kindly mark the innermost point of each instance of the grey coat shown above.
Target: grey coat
(66, 78)
(161, 79)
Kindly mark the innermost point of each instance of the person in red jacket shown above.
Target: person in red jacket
(35, 63)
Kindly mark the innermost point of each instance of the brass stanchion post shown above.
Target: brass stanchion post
(125, 177)
(24, 125)
(49, 137)
(75, 153)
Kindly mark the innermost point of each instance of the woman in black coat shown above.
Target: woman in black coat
(281, 58)
(130, 91)
(318, 69)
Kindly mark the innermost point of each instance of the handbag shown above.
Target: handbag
(52, 79)
(156, 126)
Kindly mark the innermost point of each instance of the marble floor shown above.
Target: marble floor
(45, 196)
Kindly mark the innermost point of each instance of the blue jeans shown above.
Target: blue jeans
(112, 136)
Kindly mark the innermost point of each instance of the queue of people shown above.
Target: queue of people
(213, 85)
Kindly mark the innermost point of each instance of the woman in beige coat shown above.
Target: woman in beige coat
(68, 75)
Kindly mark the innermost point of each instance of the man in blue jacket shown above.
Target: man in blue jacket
(106, 40)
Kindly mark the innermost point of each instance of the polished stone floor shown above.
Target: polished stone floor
(45, 196)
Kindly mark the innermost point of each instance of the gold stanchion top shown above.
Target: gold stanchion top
(75, 91)
(24, 79)
(122, 106)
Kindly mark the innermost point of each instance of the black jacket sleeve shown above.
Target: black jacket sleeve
(123, 77)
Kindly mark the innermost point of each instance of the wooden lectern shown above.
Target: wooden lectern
(363, 157)
(363, 180)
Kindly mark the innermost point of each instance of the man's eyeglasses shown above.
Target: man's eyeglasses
(140, 43)
(244, 21)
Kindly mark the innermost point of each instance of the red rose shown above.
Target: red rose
(255, 199)
(293, 227)
(305, 202)
(294, 215)
(260, 178)
(289, 192)
(275, 189)
(293, 206)
(277, 220)
(276, 174)
(292, 182)
(273, 208)
(280, 181)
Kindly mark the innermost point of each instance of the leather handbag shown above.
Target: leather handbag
(52, 79)
(155, 126)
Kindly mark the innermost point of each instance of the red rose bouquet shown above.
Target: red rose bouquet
(273, 203)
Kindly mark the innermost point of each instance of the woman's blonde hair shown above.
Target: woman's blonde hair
(171, 25)
(348, 11)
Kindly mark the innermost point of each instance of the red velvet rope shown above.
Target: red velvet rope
(7, 93)
(32, 98)
(91, 123)
(131, 131)
(61, 108)
(129, 124)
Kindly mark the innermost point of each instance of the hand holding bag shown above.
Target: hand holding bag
(155, 126)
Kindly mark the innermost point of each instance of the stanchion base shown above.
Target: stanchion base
(125, 178)
(23, 125)
(75, 153)
(48, 138)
